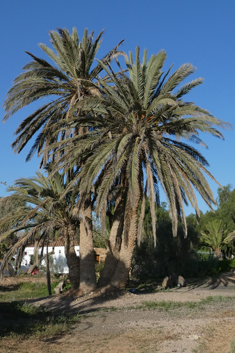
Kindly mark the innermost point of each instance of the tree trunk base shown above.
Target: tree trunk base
(84, 288)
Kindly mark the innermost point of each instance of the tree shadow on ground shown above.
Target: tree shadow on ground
(20, 318)
(67, 303)
(213, 282)
(223, 279)
(50, 311)
(9, 288)
(15, 320)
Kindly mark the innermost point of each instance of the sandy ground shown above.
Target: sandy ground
(206, 329)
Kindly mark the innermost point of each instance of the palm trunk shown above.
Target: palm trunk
(141, 218)
(73, 260)
(121, 274)
(115, 241)
(48, 272)
(218, 254)
(87, 256)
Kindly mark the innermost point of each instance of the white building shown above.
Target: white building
(59, 264)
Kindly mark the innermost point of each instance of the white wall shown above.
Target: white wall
(59, 259)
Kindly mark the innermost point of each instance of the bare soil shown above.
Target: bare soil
(112, 323)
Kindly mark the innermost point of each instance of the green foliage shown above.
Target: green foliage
(47, 217)
(149, 263)
(169, 305)
(122, 131)
(214, 235)
(224, 215)
(8, 205)
(3, 249)
(226, 265)
(26, 290)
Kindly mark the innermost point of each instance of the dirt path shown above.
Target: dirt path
(124, 324)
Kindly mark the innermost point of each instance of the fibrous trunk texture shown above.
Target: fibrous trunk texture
(141, 218)
(48, 272)
(73, 260)
(121, 273)
(218, 254)
(87, 256)
(115, 241)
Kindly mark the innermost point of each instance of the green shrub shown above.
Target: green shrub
(150, 263)
(232, 263)
(224, 265)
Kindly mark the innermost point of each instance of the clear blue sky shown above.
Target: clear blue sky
(196, 31)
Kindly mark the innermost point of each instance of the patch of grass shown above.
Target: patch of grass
(166, 305)
(25, 320)
(108, 309)
(26, 290)
(170, 305)
(233, 346)
(216, 299)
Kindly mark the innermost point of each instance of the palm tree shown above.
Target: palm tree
(215, 237)
(68, 81)
(46, 217)
(142, 120)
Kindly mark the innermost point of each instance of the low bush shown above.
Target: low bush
(150, 263)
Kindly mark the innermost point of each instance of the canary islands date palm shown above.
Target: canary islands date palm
(47, 216)
(66, 82)
(146, 125)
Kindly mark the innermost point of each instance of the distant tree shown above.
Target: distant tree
(216, 236)
(226, 209)
(224, 194)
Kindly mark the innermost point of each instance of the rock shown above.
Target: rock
(174, 280)
(182, 281)
(167, 282)
(59, 288)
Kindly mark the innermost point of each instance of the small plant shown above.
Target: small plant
(191, 305)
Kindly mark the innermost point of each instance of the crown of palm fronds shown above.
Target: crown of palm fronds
(216, 235)
(46, 214)
(67, 81)
(142, 120)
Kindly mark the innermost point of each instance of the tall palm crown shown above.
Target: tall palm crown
(144, 119)
(67, 82)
